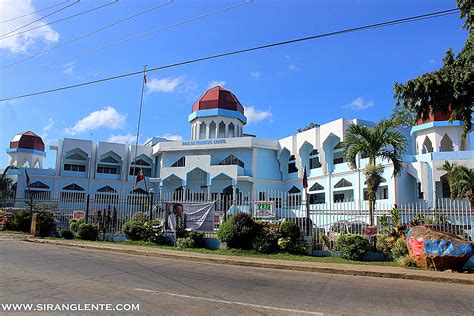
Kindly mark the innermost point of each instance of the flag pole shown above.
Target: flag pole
(138, 126)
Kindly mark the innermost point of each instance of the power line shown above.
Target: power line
(44, 17)
(138, 36)
(60, 20)
(22, 16)
(89, 34)
(292, 41)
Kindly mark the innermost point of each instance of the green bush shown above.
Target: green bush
(267, 239)
(399, 248)
(292, 246)
(384, 243)
(352, 246)
(290, 230)
(137, 230)
(88, 232)
(67, 233)
(239, 231)
(74, 224)
(46, 225)
(198, 239)
(22, 221)
(325, 240)
(144, 230)
(186, 242)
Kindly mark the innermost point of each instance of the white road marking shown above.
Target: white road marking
(231, 302)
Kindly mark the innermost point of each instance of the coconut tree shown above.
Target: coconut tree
(5, 187)
(460, 180)
(383, 142)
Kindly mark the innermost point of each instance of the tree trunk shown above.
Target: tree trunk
(371, 210)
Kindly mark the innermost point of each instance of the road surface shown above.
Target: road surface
(37, 273)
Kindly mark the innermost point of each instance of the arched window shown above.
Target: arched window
(292, 165)
(343, 183)
(106, 195)
(180, 162)
(427, 146)
(231, 130)
(212, 130)
(338, 154)
(75, 160)
(73, 193)
(221, 133)
(446, 143)
(109, 163)
(316, 187)
(232, 160)
(294, 197)
(202, 130)
(314, 159)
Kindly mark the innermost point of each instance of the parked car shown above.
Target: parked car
(340, 227)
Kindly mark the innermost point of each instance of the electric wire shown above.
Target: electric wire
(44, 9)
(57, 21)
(89, 34)
(292, 41)
(37, 20)
(172, 25)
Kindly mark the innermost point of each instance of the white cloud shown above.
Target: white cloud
(107, 117)
(21, 43)
(255, 75)
(163, 85)
(212, 84)
(254, 116)
(292, 66)
(169, 136)
(69, 68)
(12, 101)
(123, 139)
(360, 104)
(49, 124)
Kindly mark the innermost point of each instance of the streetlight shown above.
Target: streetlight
(151, 192)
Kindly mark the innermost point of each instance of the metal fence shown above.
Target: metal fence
(110, 211)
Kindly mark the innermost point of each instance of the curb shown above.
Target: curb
(269, 265)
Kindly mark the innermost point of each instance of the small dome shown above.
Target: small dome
(436, 117)
(218, 98)
(27, 140)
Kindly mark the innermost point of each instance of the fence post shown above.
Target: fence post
(87, 208)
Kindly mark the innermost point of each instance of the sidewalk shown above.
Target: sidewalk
(321, 267)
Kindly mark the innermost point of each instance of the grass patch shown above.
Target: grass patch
(14, 232)
(254, 254)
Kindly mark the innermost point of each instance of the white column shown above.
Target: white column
(207, 130)
(226, 134)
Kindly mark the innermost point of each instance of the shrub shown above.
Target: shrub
(399, 248)
(143, 230)
(136, 230)
(186, 242)
(352, 246)
(291, 246)
(290, 230)
(67, 233)
(325, 240)
(238, 231)
(74, 224)
(406, 262)
(267, 239)
(46, 225)
(384, 243)
(22, 221)
(198, 239)
(88, 232)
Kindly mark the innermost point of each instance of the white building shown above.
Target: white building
(221, 160)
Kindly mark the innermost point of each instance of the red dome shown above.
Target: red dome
(436, 117)
(27, 140)
(218, 98)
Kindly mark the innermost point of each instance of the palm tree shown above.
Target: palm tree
(5, 186)
(460, 180)
(382, 141)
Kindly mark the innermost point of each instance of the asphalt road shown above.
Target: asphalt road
(37, 273)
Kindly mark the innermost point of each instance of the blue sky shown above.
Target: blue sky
(283, 88)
